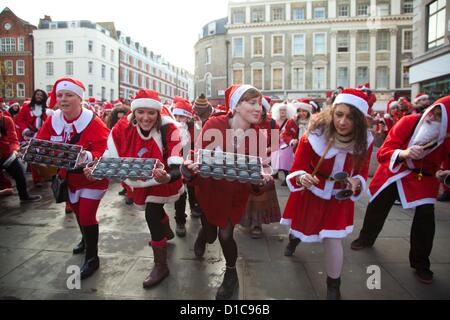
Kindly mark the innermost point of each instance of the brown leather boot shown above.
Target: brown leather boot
(160, 269)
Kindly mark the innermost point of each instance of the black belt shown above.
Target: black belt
(322, 175)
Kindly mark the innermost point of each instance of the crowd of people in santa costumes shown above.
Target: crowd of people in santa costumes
(410, 160)
(336, 141)
(220, 217)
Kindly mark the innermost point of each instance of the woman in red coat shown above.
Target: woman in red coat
(223, 203)
(337, 141)
(84, 195)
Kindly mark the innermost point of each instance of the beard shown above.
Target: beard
(428, 132)
(184, 133)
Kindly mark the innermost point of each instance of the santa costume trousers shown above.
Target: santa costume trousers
(422, 229)
(15, 170)
(157, 221)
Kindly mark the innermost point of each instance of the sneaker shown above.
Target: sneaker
(359, 245)
(444, 197)
(256, 232)
(31, 198)
(180, 230)
(424, 276)
(6, 192)
(196, 212)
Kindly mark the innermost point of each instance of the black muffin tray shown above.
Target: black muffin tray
(125, 168)
(52, 154)
(229, 166)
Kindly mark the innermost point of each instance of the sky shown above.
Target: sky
(167, 27)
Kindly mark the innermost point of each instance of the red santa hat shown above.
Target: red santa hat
(311, 102)
(1, 100)
(117, 103)
(364, 86)
(69, 84)
(266, 100)
(148, 99)
(303, 104)
(13, 102)
(182, 108)
(107, 107)
(355, 98)
(421, 96)
(234, 93)
(392, 103)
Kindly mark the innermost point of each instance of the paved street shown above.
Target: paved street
(36, 248)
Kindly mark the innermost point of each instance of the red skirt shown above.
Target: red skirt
(164, 193)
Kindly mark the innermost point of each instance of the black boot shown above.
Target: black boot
(229, 285)
(291, 246)
(200, 244)
(81, 245)
(333, 292)
(91, 262)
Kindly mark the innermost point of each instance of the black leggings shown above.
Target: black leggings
(157, 220)
(180, 208)
(209, 233)
(15, 170)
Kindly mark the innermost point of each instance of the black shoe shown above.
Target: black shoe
(444, 197)
(424, 276)
(180, 230)
(200, 245)
(31, 198)
(229, 285)
(333, 291)
(89, 267)
(291, 246)
(122, 192)
(196, 212)
(358, 244)
(79, 247)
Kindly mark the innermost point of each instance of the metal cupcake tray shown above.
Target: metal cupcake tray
(125, 168)
(230, 166)
(52, 154)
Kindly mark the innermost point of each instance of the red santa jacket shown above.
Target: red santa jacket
(311, 148)
(413, 190)
(94, 135)
(290, 132)
(8, 137)
(28, 119)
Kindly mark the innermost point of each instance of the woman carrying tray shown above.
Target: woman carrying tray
(224, 202)
(148, 133)
(63, 126)
(336, 141)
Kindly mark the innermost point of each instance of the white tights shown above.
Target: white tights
(334, 257)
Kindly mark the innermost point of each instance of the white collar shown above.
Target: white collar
(59, 123)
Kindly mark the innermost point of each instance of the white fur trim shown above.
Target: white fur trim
(58, 121)
(175, 160)
(93, 194)
(409, 205)
(292, 175)
(111, 151)
(49, 112)
(353, 100)
(236, 96)
(156, 199)
(181, 112)
(89, 156)
(323, 234)
(363, 188)
(393, 160)
(141, 183)
(423, 96)
(37, 111)
(319, 144)
(303, 106)
(265, 104)
(146, 103)
(387, 183)
(67, 85)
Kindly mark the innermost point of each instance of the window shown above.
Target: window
(277, 45)
(21, 44)
(238, 47)
(112, 55)
(298, 14)
(126, 76)
(382, 77)
(383, 40)
(436, 23)
(91, 45)
(20, 67)
(103, 51)
(277, 13)
(257, 78)
(298, 78)
(258, 44)
(405, 77)
(69, 68)
(277, 79)
(103, 71)
(342, 41)
(407, 40)
(111, 95)
(208, 55)
(319, 13)
(69, 46)
(7, 44)
(90, 67)
(238, 16)
(208, 86)
(112, 74)
(342, 77)
(103, 93)
(362, 10)
(258, 14)
(135, 78)
(49, 47)
(212, 28)
(9, 90)
(408, 6)
(343, 11)
(362, 43)
(49, 69)
(9, 68)
(20, 90)
(319, 78)
(238, 76)
(362, 74)
(298, 44)
(383, 9)
(319, 43)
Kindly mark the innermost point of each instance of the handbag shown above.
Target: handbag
(59, 188)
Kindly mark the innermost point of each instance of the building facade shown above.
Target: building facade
(430, 69)
(16, 57)
(142, 68)
(304, 48)
(82, 50)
